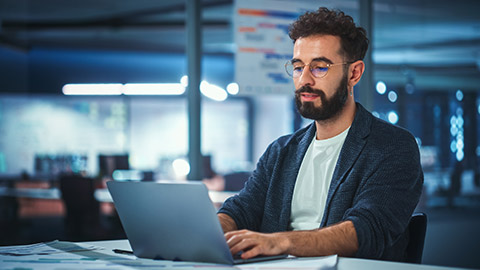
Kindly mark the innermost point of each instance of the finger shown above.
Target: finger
(253, 252)
(229, 235)
(234, 240)
(238, 237)
(245, 244)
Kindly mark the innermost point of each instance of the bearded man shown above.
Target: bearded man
(348, 183)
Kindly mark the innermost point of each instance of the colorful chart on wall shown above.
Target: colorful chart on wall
(263, 44)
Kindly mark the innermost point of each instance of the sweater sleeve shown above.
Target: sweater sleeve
(386, 199)
(247, 208)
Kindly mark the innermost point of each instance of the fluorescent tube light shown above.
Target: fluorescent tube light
(209, 90)
(126, 89)
(153, 89)
(184, 80)
(92, 89)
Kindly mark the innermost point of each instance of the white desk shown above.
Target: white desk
(343, 263)
(32, 193)
(107, 259)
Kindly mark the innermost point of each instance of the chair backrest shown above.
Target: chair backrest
(82, 219)
(77, 192)
(417, 228)
(235, 181)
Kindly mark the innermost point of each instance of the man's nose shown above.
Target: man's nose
(306, 78)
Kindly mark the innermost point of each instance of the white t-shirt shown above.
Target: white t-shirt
(313, 181)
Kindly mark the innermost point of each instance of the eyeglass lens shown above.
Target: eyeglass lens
(318, 69)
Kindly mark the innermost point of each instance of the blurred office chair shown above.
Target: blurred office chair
(9, 221)
(417, 228)
(235, 181)
(82, 219)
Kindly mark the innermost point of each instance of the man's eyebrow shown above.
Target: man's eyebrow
(316, 59)
(322, 59)
(295, 60)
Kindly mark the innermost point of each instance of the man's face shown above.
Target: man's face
(320, 98)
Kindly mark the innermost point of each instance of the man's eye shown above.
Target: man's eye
(320, 69)
(299, 68)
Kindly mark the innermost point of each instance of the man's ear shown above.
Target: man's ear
(355, 72)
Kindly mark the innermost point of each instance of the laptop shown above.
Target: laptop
(173, 221)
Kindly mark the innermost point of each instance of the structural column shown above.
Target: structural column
(366, 92)
(194, 55)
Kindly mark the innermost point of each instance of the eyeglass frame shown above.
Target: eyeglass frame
(328, 66)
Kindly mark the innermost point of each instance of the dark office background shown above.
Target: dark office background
(426, 67)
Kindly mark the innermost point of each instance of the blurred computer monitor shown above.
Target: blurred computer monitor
(107, 164)
(54, 164)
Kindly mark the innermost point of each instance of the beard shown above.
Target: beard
(330, 107)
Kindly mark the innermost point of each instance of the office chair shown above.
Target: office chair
(235, 181)
(82, 209)
(417, 228)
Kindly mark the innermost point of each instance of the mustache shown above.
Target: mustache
(308, 89)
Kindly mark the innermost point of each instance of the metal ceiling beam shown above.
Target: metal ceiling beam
(181, 7)
(14, 43)
(125, 19)
(9, 26)
(457, 43)
(431, 82)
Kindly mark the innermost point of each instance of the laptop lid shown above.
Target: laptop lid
(171, 221)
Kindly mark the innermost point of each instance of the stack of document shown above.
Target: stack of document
(81, 256)
(46, 248)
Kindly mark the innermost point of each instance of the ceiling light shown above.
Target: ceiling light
(392, 96)
(459, 95)
(181, 167)
(212, 91)
(381, 87)
(92, 89)
(170, 89)
(392, 117)
(233, 88)
(184, 80)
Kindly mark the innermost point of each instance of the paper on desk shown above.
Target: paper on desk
(46, 248)
(88, 259)
(304, 263)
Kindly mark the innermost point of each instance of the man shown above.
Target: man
(348, 183)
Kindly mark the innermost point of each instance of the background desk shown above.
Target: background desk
(31, 193)
(102, 195)
(30, 214)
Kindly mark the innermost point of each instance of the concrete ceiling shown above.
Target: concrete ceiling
(437, 41)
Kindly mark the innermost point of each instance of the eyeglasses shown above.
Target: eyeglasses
(318, 69)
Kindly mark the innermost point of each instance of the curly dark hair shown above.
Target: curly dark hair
(354, 41)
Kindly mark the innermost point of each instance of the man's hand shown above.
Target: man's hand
(253, 243)
(338, 239)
